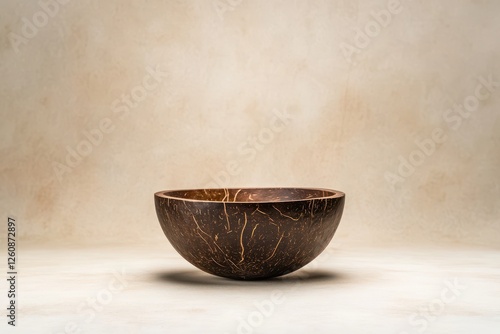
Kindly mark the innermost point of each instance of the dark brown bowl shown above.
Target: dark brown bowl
(249, 233)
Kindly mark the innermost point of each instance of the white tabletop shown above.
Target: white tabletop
(150, 289)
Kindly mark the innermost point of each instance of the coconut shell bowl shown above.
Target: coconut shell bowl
(249, 233)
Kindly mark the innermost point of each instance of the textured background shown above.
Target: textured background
(185, 94)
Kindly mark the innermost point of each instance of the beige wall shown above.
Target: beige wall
(209, 78)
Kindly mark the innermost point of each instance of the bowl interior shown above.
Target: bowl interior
(250, 194)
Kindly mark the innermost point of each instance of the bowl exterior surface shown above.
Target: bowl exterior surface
(249, 240)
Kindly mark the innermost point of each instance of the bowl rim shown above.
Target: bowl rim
(164, 194)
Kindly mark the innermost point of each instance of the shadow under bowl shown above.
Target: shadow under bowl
(249, 233)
